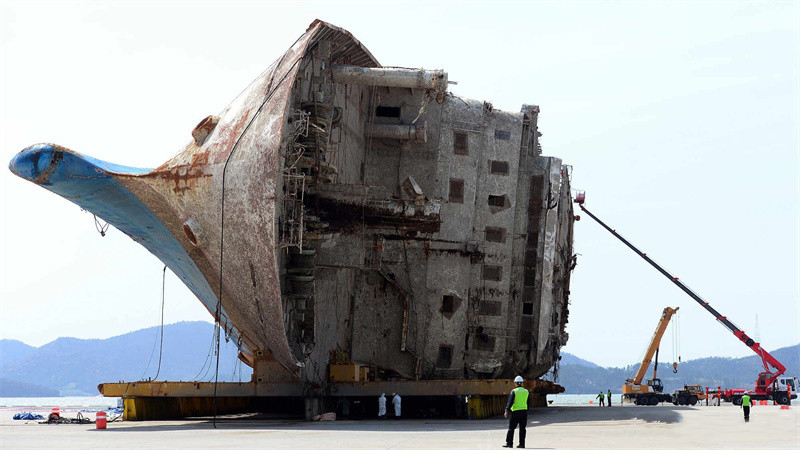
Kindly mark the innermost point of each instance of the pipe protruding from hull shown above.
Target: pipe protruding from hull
(390, 77)
(413, 133)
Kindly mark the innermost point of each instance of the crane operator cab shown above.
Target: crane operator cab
(656, 385)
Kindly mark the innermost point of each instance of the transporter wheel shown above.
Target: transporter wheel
(693, 400)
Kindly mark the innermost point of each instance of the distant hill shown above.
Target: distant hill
(11, 388)
(76, 366)
(569, 358)
(579, 378)
(12, 350)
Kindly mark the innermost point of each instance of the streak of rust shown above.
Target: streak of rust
(184, 177)
(229, 135)
(45, 175)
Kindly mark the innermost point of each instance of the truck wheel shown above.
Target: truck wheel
(653, 401)
(737, 401)
(693, 400)
(682, 400)
(782, 399)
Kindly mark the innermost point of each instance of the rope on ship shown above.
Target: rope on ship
(270, 92)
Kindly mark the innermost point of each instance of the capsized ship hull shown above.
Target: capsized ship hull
(340, 210)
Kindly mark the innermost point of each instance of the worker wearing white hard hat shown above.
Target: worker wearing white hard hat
(517, 406)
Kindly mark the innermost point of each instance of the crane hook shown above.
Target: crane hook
(674, 367)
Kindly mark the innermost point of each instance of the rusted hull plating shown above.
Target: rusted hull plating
(340, 208)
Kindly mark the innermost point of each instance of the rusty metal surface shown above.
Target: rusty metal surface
(340, 216)
(238, 163)
(238, 160)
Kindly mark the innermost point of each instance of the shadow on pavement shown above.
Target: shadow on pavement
(572, 414)
(536, 418)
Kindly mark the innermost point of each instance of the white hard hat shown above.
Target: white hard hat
(518, 379)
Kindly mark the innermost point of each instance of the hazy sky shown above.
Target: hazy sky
(679, 118)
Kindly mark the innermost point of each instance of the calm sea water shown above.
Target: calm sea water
(66, 403)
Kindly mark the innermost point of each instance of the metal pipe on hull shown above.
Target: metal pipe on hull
(390, 77)
(402, 132)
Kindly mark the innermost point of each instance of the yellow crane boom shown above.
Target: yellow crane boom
(666, 315)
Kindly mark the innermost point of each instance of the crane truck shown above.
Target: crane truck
(651, 393)
(770, 384)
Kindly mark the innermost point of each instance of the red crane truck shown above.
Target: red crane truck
(770, 385)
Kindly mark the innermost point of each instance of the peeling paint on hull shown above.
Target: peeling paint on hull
(398, 227)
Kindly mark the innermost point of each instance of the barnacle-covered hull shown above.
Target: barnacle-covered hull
(340, 209)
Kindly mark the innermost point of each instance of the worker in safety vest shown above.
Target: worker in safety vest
(518, 407)
(601, 396)
(609, 397)
(746, 407)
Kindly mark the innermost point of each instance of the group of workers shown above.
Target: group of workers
(382, 406)
(603, 396)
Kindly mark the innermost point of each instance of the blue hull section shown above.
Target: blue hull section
(91, 184)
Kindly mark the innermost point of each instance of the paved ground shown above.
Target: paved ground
(553, 427)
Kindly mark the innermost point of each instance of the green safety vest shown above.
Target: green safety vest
(520, 399)
(745, 400)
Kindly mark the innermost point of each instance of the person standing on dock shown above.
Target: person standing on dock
(518, 407)
(382, 406)
(601, 396)
(396, 402)
(746, 407)
(609, 398)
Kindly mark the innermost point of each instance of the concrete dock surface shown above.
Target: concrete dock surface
(628, 426)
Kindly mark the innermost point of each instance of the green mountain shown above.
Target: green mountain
(76, 366)
(12, 350)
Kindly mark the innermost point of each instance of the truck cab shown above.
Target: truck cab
(788, 384)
